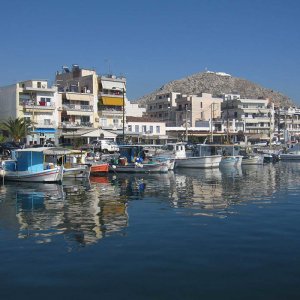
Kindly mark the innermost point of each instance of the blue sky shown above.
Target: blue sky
(153, 42)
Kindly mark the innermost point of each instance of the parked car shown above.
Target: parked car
(7, 147)
(105, 146)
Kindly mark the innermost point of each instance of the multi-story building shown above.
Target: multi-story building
(254, 117)
(287, 124)
(78, 88)
(112, 102)
(194, 109)
(163, 108)
(32, 99)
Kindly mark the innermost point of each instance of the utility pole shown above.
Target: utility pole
(211, 122)
(186, 124)
(227, 116)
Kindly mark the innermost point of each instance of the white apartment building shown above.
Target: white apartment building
(32, 99)
(134, 109)
(145, 129)
(255, 117)
(287, 123)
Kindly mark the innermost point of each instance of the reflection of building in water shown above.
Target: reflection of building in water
(218, 189)
(80, 214)
(138, 186)
(199, 188)
(40, 212)
(96, 214)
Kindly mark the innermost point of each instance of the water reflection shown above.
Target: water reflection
(84, 212)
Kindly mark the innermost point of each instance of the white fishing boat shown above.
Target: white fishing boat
(204, 156)
(28, 165)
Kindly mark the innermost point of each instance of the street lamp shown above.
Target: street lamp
(123, 115)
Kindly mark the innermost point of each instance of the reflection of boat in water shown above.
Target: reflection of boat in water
(252, 159)
(99, 179)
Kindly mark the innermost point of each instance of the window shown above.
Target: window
(130, 128)
(201, 104)
(144, 128)
(116, 122)
(157, 129)
(136, 128)
(151, 129)
(47, 122)
(39, 84)
(160, 106)
(235, 114)
(202, 115)
(103, 122)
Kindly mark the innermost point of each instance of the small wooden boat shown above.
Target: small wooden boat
(28, 165)
(98, 167)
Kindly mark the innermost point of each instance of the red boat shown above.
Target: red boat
(99, 167)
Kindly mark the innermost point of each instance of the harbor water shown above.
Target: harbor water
(192, 234)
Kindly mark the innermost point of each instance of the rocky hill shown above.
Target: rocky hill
(218, 83)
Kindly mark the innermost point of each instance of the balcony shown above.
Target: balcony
(43, 125)
(31, 105)
(110, 112)
(68, 124)
(78, 107)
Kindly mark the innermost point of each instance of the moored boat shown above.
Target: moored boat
(28, 165)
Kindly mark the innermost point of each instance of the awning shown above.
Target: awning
(79, 96)
(100, 132)
(44, 130)
(112, 101)
(112, 85)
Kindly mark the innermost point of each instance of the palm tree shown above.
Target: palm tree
(17, 128)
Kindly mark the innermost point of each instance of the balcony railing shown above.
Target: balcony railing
(33, 105)
(67, 124)
(43, 125)
(78, 107)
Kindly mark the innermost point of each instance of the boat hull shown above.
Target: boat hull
(45, 176)
(99, 168)
(212, 161)
(289, 156)
(76, 172)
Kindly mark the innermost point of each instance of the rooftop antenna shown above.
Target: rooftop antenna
(108, 66)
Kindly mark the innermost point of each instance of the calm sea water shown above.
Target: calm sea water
(192, 234)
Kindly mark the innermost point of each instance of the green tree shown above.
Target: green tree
(17, 128)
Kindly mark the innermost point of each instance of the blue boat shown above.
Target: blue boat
(29, 165)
